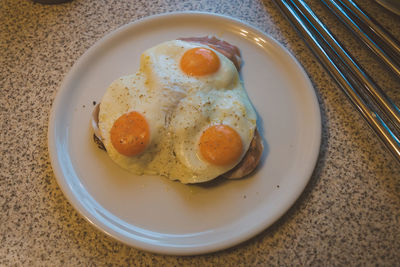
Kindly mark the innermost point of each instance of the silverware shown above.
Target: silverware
(366, 96)
(382, 101)
(391, 5)
(386, 47)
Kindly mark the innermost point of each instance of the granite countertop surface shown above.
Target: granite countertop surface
(349, 213)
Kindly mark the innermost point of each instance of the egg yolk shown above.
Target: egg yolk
(199, 61)
(130, 134)
(220, 145)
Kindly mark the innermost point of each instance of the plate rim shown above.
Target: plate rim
(195, 250)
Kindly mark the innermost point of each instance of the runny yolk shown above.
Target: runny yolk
(130, 134)
(220, 145)
(199, 61)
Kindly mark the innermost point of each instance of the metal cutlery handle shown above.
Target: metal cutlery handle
(346, 79)
(385, 37)
(386, 106)
(386, 47)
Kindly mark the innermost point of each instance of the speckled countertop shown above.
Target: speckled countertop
(349, 213)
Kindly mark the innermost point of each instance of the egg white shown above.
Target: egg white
(205, 109)
(178, 108)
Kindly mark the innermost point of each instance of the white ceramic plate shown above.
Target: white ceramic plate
(153, 213)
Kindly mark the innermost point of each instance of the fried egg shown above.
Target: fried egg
(184, 114)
